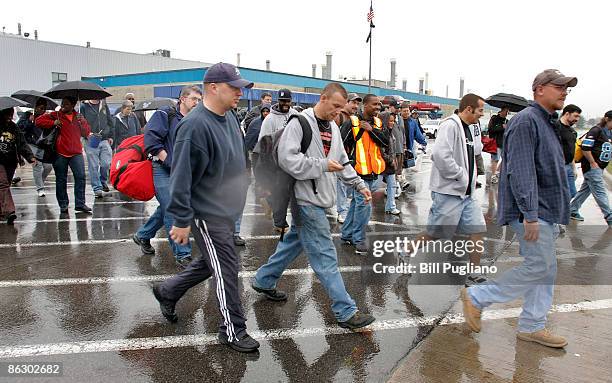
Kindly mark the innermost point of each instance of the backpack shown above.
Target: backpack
(131, 173)
(273, 180)
(578, 151)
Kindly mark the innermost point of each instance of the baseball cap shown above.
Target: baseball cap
(228, 73)
(394, 103)
(354, 97)
(284, 94)
(555, 77)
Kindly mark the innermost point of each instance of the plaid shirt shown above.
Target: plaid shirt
(533, 181)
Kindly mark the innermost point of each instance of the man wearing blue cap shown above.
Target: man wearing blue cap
(208, 190)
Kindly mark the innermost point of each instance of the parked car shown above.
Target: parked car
(431, 128)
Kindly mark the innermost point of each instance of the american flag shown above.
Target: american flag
(371, 14)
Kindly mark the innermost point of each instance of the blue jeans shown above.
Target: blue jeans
(595, 184)
(98, 163)
(161, 179)
(390, 180)
(354, 227)
(571, 180)
(40, 171)
(342, 193)
(60, 167)
(313, 237)
(533, 280)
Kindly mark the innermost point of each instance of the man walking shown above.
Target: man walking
(255, 112)
(159, 143)
(533, 200)
(343, 121)
(497, 127)
(365, 139)
(208, 191)
(98, 144)
(596, 155)
(310, 231)
(453, 181)
(569, 117)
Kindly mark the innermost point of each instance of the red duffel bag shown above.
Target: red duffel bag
(489, 145)
(131, 173)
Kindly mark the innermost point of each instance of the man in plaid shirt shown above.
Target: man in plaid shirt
(533, 200)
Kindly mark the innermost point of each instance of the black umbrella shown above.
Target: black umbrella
(10, 102)
(32, 97)
(513, 102)
(81, 90)
(155, 103)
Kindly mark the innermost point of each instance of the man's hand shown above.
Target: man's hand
(532, 230)
(57, 123)
(594, 165)
(367, 194)
(365, 126)
(180, 235)
(34, 162)
(31, 118)
(334, 166)
(162, 155)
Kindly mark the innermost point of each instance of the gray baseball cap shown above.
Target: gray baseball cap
(555, 77)
(354, 97)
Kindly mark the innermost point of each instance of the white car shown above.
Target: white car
(431, 128)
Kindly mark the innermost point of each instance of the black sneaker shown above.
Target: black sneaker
(347, 242)
(15, 180)
(63, 210)
(182, 263)
(10, 218)
(84, 209)
(244, 344)
(478, 185)
(476, 279)
(105, 188)
(362, 248)
(358, 320)
(271, 294)
(239, 241)
(145, 245)
(165, 305)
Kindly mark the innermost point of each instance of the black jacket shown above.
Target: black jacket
(100, 120)
(568, 141)
(10, 134)
(496, 129)
(379, 136)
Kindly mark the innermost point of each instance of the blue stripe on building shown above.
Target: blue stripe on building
(196, 75)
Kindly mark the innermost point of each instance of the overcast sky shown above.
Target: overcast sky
(497, 46)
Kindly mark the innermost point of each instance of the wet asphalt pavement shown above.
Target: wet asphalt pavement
(77, 290)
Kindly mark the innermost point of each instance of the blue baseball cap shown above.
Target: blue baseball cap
(227, 73)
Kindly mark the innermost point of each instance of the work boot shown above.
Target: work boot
(271, 294)
(166, 306)
(543, 337)
(145, 245)
(244, 344)
(358, 320)
(361, 248)
(470, 312)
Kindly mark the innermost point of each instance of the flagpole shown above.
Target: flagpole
(370, 66)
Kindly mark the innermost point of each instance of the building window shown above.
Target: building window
(57, 77)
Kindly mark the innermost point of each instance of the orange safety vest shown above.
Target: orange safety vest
(368, 157)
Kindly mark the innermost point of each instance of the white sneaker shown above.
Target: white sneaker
(41, 193)
(394, 212)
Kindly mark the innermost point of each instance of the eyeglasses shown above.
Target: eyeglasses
(562, 88)
(195, 98)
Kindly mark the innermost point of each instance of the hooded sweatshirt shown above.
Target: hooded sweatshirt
(253, 129)
(314, 164)
(276, 120)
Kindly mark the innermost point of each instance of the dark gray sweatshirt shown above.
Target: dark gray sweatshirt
(208, 179)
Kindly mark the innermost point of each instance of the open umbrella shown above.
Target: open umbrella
(513, 102)
(32, 97)
(81, 90)
(155, 103)
(10, 102)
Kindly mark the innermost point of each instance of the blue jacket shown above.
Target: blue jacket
(252, 134)
(125, 127)
(159, 135)
(533, 183)
(414, 133)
